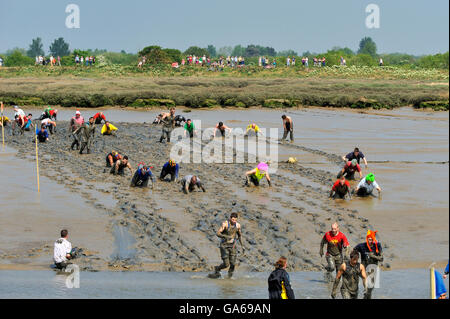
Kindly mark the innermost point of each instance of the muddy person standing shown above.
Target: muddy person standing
(168, 121)
(336, 244)
(75, 124)
(85, 134)
(288, 126)
(229, 233)
(350, 271)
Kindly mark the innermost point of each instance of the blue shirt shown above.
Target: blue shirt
(351, 156)
(42, 135)
(170, 168)
(145, 174)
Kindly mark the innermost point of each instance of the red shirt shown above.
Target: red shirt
(98, 115)
(338, 185)
(335, 243)
(349, 167)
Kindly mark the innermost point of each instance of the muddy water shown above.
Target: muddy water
(406, 149)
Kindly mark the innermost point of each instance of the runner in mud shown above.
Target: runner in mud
(367, 185)
(142, 175)
(252, 128)
(371, 254)
(20, 115)
(99, 117)
(349, 170)
(256, 175)
(337, 247)
(42, 134)
(112, 158)
(75, 124)
(189, 182)
(340, 189)
(49, 113)
(288, 126)
(4, 121)
(179, 119)
(189, 128)
(357, 155)
(86, 134)
(350, 271)
(63, 251)
(120, 165)
(229, 232)
(49, 124)
(170, 168)
(28, 123)
(279, 282)
(108, 129)
(222, 128)
(168, 121)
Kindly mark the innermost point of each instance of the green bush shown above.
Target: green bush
(435, 105)
(18, 59)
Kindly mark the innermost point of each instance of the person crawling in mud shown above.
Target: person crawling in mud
(229, 233)
(168, 121)
(108, 129)
(170, 168)
(42, 134)
(120, 165)
(350, 271)
(75, 124)
(179, 120)
(63, 251)
(49, 124)
(99, 117)
(256, 175)
(357, 155)
(112, 158)
(252, 129)
(367, 185)
(189, 182)
(371, 254)
(4, 121)
(28, 123)
(341, 189)
(222, 129)
(85, 134)
(49, 113)
(337, 248)
(142, 175)
(350, 169)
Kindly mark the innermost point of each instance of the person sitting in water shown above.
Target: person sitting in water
(119, 167)
(142, 175)
(99, 117)
(189, 182)
(222, 128)
(256, 175)
(108, 129)
(42, 134)
(112, 158)
(349, 170)
(340, 189)
(357, 155)
(170, 168)
(49, 124)
(179, 119)
(252, 128)
(367, 185)
(63, 251)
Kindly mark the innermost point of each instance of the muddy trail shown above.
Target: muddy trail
(163, 229)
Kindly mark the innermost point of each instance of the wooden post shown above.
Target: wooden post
(37, 158)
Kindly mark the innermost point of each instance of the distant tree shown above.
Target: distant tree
(59, 48)
(270, 51)
(196, 51)
(251, 51)
(225, 51)
(345, 51)
(238, 50)
(36, 48)
(17, 58)
(174, 55)
(367, 46)
(16, 49)
(155, 55)
(287, 53)
(212, 50)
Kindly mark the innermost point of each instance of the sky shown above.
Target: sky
(407, 26)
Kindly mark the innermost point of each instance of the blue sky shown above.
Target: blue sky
(414, 26)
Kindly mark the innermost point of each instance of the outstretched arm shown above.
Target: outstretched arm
(337, 280)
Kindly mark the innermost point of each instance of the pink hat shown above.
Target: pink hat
(263, 166)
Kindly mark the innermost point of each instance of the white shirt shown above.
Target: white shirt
(62, 248)
(45, 121)
(370, 188)
(19, 112)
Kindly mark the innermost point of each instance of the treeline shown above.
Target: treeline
(366, 55)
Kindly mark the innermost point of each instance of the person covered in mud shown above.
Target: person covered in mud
(19, 114)
(168, 120)
(142, 175)
(120, 165)
(189, 128)
(4, 121)
(288, 126)
(179, 120)
(75, 124)
(279, 282)
(63, 251)
(367, 185)
(350, 271)
(112, 158)
(222, 129)
(340, 189)
(357, 155)
(158, 118)
(371, 254)
(49, 124)
(108, 129)
(49, 113)
(350, 169)
(86, 134)
(189, 182)
(170, 168)
(229, 233)
(28, 124)
(42, 134)
(252, 129)
(337, 247)
(257, 174)
(99, 117)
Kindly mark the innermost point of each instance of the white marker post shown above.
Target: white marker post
(37, 158)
